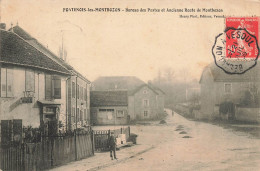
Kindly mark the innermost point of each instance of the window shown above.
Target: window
(85, 114)
(77, 91)
(6, 82)
(73, 90)
(57, 87)
(73, 119)
(145, 92)
(81, 93)
(78, 119)
(146, 103)
(29, 80)
(52, 87)
(145, 113)
(120, 114)
(227, 87)
(85, 94)
(48, 87)
(81, 116)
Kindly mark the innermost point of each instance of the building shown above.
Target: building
(145, 102)
(33, 86)
(218, 87)
(78, 86)
(109, 107)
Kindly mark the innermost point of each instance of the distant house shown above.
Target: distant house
(218, 87)
(33, 86)
(78, 87)
(144, 101)
(109, 107)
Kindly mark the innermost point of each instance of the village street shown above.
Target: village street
(180, 144)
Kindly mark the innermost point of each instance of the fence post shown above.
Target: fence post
(129, 131)
(92, 141)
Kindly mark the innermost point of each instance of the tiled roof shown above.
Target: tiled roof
(15, 50)
(21, 32)
(117, 83)
(219, 75)
(140, 87)
(108, 98)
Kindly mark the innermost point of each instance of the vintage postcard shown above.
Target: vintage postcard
(129, 85)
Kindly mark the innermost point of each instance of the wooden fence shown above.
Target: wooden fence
(48, 153)
(101, 137)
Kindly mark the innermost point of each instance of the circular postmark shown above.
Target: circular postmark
(235, 51)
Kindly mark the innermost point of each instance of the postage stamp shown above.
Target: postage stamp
(236, 50)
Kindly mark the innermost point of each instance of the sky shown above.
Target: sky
(127, 43)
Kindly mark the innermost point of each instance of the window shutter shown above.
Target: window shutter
(73, 90)
(85, 94)
(29, 80)
(9, 82)
(3, 82)
(77, 91)
(56, 87)
(48, 87)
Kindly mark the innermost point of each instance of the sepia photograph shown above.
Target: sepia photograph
(121, 85)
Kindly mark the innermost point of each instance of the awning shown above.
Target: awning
(46, 102)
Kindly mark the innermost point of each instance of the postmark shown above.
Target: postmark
(236, 50)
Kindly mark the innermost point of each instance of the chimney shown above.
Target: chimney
(3, 26)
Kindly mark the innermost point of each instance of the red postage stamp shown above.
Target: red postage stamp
(241, 37)
(236, 50)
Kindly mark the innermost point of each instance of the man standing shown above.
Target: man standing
(112, 145)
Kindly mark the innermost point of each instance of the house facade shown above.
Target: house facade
(218, 87)
(145, 102)
(109, 107)
(33, 86)
(77, 86)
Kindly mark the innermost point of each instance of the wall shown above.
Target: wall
(80, 103)
(139, 107)
(207, 96)
(97, 119)
(248, 114)
(10, 108)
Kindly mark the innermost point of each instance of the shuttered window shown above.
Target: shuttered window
(77, 91)
(48, 87)
(3, 82)
(6, 82)
(85, 94)
(73, 90)
(81, 93)
(56, 87)
(52, 87)
(29, 80)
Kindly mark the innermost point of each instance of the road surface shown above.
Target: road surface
(182, 144)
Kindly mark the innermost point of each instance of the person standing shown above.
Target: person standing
(112, 146)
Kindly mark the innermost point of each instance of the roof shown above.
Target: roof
(156, 89)
(117, 83)
(219, 75)
(140, 87)
(31, 40)
(16, 51)
(18, 30)
(108, 98)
